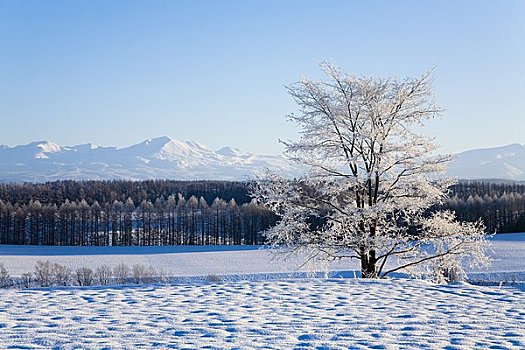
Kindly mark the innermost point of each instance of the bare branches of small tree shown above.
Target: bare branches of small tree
(61, 275)
(49, 274)
(371, 180)
(85, 276)
(143, 274)
(5, 278)
(26, 279)
(103, 274)
(44, 273)
(121, 272)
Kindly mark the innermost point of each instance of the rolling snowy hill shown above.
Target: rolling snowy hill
(158, 158)
(166, 158)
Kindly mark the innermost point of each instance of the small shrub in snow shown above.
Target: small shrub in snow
(104, 274)
(213, 278)
(5, 279)
(43, 273)
(61, 275)
(143, 274)
(161, 276)
(85, 276)
(138, 272)
(449, 275)
(121, 273)
(26, 279)
(151, 275)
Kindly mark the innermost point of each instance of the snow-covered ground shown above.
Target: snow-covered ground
(282, 313)
(174, 261)
(508, 260)
(287, 314)
(507, 251)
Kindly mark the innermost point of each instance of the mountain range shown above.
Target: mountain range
(157, 158)
(166, 158)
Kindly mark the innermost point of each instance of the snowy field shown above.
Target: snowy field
(174, 261)
(507, 252)
(286, 313)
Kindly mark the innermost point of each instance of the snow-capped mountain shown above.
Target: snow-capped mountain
(166, 158)
(507, 162)
(157, 158)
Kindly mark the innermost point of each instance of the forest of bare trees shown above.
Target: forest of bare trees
(501, 206)
(102, 213)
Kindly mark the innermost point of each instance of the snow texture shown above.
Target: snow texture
(289, 314)
(237, 313)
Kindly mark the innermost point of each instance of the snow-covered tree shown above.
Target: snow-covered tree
(371, 180)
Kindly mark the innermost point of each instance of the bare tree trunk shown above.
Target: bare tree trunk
(368, 268)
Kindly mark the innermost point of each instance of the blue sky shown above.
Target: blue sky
(118, 72)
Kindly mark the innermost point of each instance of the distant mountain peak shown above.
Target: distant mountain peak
(50, 147)
(154, 158)
(43, 146)
(86, 146)
(503, 162)
(156, 141)
(493, 150)
(232, 152)
(35, 150)
(178, 150)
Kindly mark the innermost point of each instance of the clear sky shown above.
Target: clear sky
(117, 72)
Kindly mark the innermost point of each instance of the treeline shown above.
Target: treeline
(121, 190)
(123, 213)
(164, 212)
(501, 206)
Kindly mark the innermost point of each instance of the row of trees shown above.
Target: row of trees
(171, 220)
(501, 206)
(48, 274)
(92, 212)
(120, 190)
